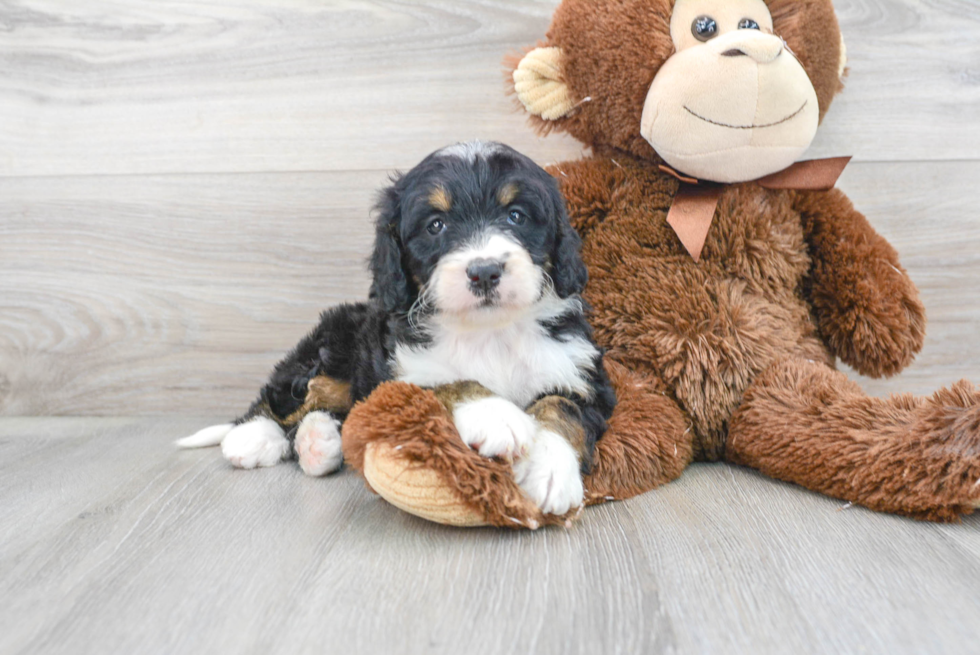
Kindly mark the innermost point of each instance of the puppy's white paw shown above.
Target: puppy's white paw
(550, 475)
(318, 444)
(495, 427)
(260, 442)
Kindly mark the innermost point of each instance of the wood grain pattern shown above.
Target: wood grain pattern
(148, 295)
(123, 87)
(136, 86)
(132, 283)
(115, 542)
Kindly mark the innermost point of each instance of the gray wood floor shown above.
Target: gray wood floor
(115, 542)
(184, 186)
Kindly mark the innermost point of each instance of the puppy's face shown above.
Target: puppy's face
(491, 270)
(479, 229)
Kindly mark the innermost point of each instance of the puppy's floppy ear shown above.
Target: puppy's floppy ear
(389, 282)
(567, 268)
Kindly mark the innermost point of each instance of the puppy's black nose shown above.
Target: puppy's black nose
(484, 274)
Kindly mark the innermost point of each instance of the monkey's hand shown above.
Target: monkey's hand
(867, 309)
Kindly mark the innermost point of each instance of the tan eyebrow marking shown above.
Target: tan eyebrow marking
(440, 199)
(507, 193)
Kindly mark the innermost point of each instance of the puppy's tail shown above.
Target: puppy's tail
(207, 437)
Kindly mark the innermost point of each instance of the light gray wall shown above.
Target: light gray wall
(184, 186)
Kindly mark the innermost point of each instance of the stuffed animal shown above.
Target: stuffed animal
(725, 280)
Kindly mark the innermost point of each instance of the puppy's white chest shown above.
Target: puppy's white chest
(519, 362)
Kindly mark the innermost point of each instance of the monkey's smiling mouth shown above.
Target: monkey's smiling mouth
(747, 127)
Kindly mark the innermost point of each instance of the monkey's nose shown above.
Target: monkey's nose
(763, 48)
(484, 274)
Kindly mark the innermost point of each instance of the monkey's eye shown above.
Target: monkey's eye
(436, 227)
(704, 28)
(748, 24)
(517, 217)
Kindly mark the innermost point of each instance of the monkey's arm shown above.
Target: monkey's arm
(867, 309)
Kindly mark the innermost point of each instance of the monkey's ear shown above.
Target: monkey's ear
(389, 282)
(539, 84)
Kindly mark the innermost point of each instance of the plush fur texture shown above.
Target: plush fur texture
(919, 457)
(413, 420)
(647, 443)
(612, 50)
(733, 357)
(745, 342)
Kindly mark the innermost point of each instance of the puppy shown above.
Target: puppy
(475, 294)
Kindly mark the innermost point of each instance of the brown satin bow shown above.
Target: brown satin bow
(695, 203)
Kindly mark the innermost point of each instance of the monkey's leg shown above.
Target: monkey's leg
(648, 441)
(805, 423)
(404, 441)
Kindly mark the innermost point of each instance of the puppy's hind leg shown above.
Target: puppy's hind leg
(317, 380)
(318, 444)
(260, 442)
(255, 440)
(258, 438)
(312, 427)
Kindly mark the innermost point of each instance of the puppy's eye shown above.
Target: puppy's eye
(517, 218)
(748, 24)
(704, 28)
(436, 227)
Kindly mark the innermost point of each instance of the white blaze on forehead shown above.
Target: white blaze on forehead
(491, 245)
(472, 150)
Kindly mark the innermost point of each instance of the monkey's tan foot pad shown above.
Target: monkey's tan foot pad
(402, 440)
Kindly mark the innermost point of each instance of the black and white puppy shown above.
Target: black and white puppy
(475, 294)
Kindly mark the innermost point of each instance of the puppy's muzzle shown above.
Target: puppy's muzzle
(484, 275)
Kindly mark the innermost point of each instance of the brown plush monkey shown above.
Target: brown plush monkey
(725, 283)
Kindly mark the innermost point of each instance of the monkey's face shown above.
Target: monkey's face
(733, 103)
(722, 90)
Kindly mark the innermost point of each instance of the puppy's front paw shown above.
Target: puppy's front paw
(260, 442)
(550, 474)
(495, 427)
(318, 444)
